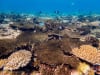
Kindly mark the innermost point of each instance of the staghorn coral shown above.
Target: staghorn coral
(18, 59)
(88, 53)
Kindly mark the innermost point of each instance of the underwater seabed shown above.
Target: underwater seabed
(49, 43)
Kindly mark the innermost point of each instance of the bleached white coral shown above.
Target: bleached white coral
(18, 59)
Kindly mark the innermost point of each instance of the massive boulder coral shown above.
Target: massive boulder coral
(87, 53)
(18, 59)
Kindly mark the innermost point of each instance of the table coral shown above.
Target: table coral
(87, 53)
(18, 59)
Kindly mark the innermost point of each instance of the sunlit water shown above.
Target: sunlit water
(50, 6)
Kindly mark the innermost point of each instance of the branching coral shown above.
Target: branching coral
(88, 53)
(18, 59)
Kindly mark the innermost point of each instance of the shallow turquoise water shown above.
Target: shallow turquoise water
(49, 6)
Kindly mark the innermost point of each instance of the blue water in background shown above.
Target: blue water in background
(49, 6)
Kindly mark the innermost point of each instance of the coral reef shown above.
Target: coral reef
(97, 60)
(87, 52)
(2, 62)
(49, 45)
(50, 57)
(55, 57)
(58, 70)
(7, 47)
(18, 59)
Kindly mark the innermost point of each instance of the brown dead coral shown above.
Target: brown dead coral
(50, 45)
(56, 57)
(88, 53)
(50, 56)
(18, 59)
(71, 60)
(7, 46)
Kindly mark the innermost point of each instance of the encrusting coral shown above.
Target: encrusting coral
(18, 59)
(87, 53)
